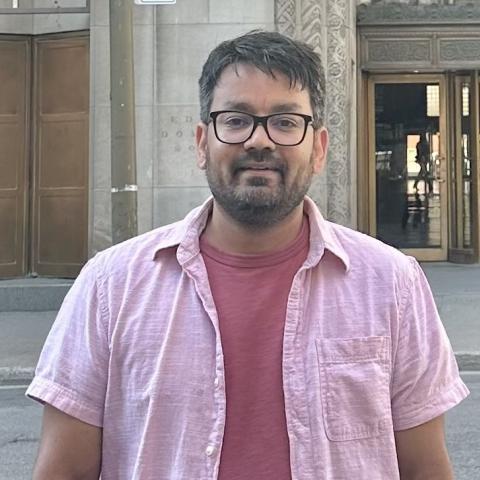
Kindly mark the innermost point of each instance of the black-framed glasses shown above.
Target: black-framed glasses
(285, 129)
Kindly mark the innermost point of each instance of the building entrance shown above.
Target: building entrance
(44, 103)
(422, 164)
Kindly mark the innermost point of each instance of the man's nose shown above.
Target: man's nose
(259, 139)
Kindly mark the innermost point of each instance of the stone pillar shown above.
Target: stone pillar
(100, 224)
(100, 217)
(329, 26)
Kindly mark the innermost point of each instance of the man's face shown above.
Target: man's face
(259, 183)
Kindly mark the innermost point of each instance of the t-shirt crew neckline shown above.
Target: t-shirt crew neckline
(259, 260)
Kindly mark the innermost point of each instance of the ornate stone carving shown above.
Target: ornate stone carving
(311, 22)
(398, 13)
(339, 89)
(325, 26)
(457, 50)
(285, 17)
(393, 51)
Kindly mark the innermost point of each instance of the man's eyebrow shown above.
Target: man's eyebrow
(287, 107)
(246, 107)
(243, 106)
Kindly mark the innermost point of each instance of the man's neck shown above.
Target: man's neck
(227, 235)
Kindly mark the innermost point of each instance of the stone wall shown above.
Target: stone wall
(100, 212)
(26, 24)
(100, 221)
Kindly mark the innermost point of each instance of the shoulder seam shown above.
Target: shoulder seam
(102, 303)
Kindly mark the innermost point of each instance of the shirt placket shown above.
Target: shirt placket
(213, 444)
(294, 384)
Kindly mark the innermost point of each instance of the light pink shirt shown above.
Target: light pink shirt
(136, 349)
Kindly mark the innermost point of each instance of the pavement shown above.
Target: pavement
(456, 289)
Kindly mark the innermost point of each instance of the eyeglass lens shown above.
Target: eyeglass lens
(282, 128)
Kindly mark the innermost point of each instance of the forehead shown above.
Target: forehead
(246, 85)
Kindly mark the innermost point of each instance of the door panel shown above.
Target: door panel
(408, 164)
(464, 118)
(60, 159)
(14, 60)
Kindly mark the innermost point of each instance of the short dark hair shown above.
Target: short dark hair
(270, 52)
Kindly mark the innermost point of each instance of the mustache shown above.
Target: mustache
(256, 159)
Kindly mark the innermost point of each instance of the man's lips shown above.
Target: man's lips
(258, 168)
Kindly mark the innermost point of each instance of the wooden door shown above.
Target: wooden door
(60, 155)
(14, 141)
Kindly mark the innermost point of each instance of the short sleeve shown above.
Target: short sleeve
(426, 382)
(71, 374)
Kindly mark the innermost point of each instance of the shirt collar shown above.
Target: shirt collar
(185, 234)
(323, 237)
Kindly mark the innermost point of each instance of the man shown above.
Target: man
(253, 339)
(423, 158)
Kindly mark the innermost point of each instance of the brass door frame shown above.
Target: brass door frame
(456, 213)
(475, 125)
(369, 221)
(457, 252)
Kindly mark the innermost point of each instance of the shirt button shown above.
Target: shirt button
(217, 382)
(209, 451)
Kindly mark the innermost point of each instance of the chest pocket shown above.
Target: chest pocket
(355, 377)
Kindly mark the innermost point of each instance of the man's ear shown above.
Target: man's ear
(320, 148)
(201, 139)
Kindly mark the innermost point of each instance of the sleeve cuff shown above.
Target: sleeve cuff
(437, 405)
(64, 399)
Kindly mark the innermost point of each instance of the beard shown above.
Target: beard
(256, 205)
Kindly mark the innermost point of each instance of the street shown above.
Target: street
(20, 420)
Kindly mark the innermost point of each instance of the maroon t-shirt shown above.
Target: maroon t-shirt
(250, 294)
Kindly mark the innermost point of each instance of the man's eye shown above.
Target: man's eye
(285, 123)
(236, 122)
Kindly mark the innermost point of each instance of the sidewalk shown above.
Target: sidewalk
(456, 289)
(21, 341)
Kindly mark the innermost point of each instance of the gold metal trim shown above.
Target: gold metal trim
(475, 114)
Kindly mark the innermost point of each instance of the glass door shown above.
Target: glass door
(407, 161)
(464, 235)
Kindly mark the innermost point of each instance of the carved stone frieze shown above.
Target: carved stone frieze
(339, 90)
(400, 13)
(338, 14)
(312, 17)
(457, 50)
(285, 17)
(394, 51)
(324, 24)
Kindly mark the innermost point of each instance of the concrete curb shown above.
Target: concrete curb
(32, 295)
(16, 375)
(467, 362)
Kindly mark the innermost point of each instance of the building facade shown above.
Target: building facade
(402, 110)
